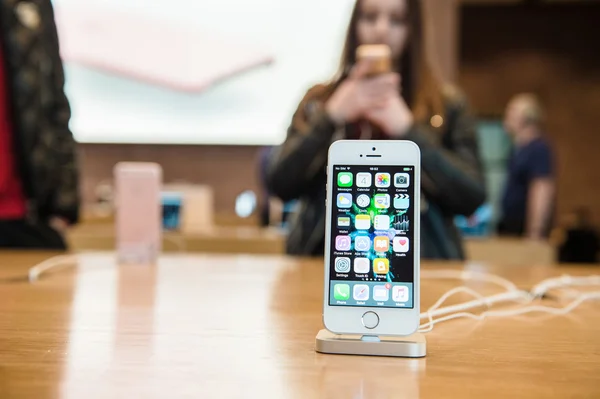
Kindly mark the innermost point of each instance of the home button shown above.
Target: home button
(370, 320)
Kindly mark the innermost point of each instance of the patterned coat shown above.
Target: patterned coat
(44, 144)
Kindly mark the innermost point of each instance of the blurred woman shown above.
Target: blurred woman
(406, 104)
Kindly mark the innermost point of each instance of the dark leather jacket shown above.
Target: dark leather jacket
(452, 180)
(44, 144)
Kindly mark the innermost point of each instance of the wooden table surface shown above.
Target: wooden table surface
(225, 326)
(216, 239)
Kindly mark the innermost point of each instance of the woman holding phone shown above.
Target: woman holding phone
(366, 101)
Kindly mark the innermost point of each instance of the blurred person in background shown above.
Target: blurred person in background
(528, 201)
(39, 195)
(408, 104)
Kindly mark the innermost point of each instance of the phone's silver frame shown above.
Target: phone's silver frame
(349, 319)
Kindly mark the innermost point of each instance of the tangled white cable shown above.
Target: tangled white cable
(562, 282)
(512, 294)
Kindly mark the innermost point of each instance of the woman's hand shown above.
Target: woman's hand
(358, 94)
(393, 116)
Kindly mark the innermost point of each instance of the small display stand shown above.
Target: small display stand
(412, 346)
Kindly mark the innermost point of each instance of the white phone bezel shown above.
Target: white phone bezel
(348, 319)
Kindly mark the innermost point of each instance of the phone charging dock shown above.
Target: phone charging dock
(412, 346)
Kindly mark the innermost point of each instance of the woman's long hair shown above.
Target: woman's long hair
(420, 89)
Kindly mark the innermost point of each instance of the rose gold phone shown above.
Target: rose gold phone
(138, 211)
(379, 54)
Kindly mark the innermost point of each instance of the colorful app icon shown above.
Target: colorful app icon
(381, 293)
(401, 223)
(401, 201)
(363, 180)
(361, 265)
(381, 266)
(382, 201)
(362, 243)
(381, 244)
(362, 222)
(363, 201)
(401, 244)
(400, 293)
(401, 180)
(382, 180)
(361, 292)
(342, 265)
(341, 292)
(345, 179)
(344, 221)
(382, 222)
(343, 243)
(344, 200)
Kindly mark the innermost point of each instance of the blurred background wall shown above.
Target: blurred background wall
(548, 48)
(230, 170)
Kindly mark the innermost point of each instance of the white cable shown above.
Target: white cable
(568, 292)
(517, 296)
(68, 260)
(564, 281)
(537, 292)
(545, 309)
(428, 327)
(466, 275)
(463, 307)
(511, 294)
(488, 301)
(514, 312)
(54, 262)
(443, 298)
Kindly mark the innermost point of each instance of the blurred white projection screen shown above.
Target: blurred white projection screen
(194, 71)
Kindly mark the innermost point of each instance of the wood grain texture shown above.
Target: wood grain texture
(226, 326)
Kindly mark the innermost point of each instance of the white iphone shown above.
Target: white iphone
(372, 238)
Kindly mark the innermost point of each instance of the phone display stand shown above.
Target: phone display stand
(412, 346)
